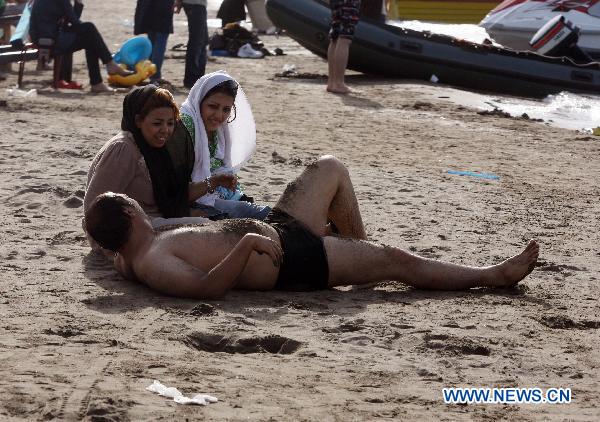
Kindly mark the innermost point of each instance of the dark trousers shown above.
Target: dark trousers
(87, 37)
(195, 56)
(231, 11)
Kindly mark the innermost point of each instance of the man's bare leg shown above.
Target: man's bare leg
(323, 193)
(330, 67)
(354, 262)
(337, 58)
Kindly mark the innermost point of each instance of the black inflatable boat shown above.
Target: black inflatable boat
(391, 51)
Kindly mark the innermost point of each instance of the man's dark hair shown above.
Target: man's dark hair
(108, 222)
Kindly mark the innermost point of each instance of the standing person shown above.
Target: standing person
(155, 18)
(344, 17)
(57, 20)
(195, 56)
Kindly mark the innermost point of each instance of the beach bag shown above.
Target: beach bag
(217, 42)
(236, 37)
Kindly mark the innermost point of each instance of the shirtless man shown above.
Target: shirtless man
(291, 250)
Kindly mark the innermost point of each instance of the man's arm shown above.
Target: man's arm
(173, 276)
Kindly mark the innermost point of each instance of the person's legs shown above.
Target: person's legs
(344, 17)
(353, 262)
(337, 56)
(323, 193)
(242, 209)
(87, 37)
(331, 76)
(159, 45)
(195, 56)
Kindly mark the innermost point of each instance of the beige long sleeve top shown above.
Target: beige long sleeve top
(120, 167)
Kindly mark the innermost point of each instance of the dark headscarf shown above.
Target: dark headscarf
(171, 166)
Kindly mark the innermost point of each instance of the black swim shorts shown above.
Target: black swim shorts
(304, 267)
(344, 17)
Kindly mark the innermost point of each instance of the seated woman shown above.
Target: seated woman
(222, 142)
(151, 160)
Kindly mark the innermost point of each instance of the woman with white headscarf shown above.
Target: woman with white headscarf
(219, 119)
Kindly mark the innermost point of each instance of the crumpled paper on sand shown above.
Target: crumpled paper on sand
(178, 397)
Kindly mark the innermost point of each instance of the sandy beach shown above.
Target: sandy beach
(77, 342)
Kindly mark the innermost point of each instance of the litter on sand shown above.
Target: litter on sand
(488, 176)
(178, 397)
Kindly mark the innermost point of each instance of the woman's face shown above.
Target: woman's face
(157, 127)
(215, 110)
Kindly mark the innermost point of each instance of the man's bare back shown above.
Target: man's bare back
(204, 247)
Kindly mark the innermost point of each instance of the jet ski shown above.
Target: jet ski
(514, 22)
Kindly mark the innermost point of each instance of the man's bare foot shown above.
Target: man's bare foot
(101, 88)
(339, 89)
(114, 69)
(515, 269)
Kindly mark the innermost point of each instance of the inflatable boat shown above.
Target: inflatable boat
(391, 51)
(513, 22)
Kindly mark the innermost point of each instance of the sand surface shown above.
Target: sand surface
(77, 342)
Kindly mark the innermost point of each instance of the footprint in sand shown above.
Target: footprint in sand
(64, 331)
(359, 340)
(275, 181)
(428, 375)
(561, 322)
(73, 202)
(108, 409)
(67, 237)
(218, 343)
(203, 309)
(347, 327)
(455, 345)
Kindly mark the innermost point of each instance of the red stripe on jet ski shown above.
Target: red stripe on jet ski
(549, 36)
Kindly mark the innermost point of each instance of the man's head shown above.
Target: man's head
(109, 220)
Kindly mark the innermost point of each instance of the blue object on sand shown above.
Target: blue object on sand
(488, 176)
(220, 53)
(134, 50)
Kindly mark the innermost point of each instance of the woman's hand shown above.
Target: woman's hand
(264, 244)
(228, 181)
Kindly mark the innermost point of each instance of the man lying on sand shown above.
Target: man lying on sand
(291, 250)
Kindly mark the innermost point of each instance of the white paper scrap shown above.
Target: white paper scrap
(178, 397)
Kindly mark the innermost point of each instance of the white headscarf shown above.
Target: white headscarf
(236, 140)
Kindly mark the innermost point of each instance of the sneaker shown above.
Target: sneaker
(246, 51)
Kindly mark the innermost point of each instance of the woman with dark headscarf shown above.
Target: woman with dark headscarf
(151, 160)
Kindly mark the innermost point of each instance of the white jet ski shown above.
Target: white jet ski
(514, 22)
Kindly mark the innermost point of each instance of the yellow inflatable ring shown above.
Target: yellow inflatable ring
(143, 70)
